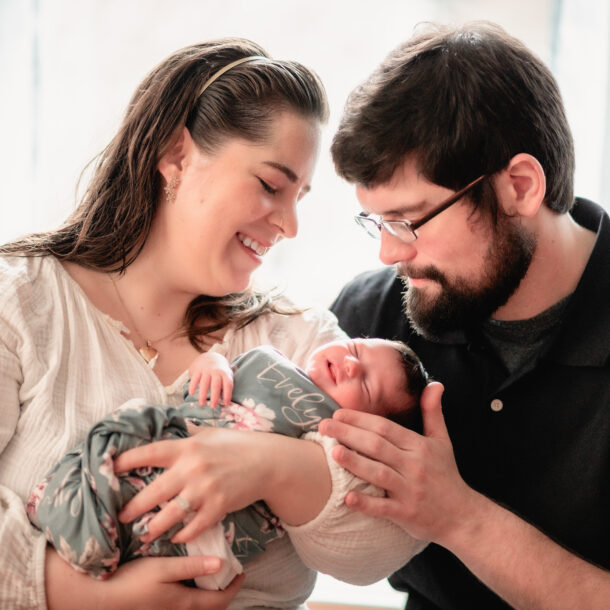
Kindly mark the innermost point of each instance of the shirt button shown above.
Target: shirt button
(497, 405)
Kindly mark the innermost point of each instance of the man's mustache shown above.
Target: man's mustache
(425, 273)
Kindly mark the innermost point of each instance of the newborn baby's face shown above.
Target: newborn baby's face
(360, 374)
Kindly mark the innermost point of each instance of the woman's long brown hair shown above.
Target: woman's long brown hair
(109, 227)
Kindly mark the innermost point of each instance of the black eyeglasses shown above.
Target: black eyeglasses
(405, 230)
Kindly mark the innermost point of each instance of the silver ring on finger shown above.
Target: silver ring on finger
(184, 504)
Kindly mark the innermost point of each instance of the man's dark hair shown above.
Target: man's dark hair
(464, 101)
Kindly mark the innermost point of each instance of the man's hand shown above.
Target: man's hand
(425, 493)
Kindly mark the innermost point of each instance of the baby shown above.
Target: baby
(78, 502)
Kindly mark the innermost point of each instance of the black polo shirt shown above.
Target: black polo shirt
(536, 442)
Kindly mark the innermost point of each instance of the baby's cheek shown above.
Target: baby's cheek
(354, 400)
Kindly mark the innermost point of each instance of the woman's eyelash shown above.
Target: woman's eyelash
(267, 187)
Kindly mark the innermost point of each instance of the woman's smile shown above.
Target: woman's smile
(225, 218)
(253, 245)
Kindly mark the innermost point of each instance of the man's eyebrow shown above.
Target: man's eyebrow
(287, 172)
(405, 210)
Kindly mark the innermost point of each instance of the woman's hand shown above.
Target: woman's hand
(147, 583)
(217, 471)
(206, 471)
(425, 493)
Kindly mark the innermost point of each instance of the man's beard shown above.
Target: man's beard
(463, 304)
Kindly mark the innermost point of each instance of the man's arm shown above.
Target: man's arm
(428, 498)
(522, 565)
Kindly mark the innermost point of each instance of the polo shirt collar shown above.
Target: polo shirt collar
(583, 337)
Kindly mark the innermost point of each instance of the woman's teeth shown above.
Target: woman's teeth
(252, 244)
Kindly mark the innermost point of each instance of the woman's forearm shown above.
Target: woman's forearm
(148, 583)
(65, 587)
(298, 484)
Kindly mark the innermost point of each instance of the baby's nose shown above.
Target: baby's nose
(352, 366)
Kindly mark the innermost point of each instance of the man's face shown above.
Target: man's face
(462, 267)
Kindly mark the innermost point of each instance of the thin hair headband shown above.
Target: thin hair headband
(226, 68)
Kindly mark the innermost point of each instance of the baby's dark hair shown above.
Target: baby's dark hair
(416, 379)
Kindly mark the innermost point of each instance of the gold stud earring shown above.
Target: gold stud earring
(170, 190)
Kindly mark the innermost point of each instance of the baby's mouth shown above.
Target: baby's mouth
(331, 372)
(252, 244)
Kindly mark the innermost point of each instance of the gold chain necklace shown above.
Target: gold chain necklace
(147, 351)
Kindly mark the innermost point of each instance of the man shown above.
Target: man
(463, 164)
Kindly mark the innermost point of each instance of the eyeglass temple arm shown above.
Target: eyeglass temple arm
(449, 202)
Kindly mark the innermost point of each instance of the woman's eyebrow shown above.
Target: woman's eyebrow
(287, 172)
(284, 169)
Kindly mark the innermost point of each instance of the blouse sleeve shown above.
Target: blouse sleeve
(347, 544)
(22, 548)
(298, 336)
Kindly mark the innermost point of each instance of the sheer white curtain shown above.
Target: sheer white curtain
(581, 63)
(68, 68)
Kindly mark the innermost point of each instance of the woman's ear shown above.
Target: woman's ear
(521, 186)
(171, 163)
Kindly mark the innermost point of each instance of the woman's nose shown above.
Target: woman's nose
(393, 250)
(285, 218)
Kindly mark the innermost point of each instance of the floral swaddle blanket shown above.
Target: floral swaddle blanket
(77, 504)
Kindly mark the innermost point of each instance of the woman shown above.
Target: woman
(217, 147)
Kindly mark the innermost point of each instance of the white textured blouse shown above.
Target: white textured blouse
(64, 365)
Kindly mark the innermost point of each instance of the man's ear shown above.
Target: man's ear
(521, 186)
(171, 163)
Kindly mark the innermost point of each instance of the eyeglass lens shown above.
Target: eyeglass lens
(397, 228)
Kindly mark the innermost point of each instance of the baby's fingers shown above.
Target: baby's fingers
(204, 386)
(195, 377)
(215, 388)
(227, 390)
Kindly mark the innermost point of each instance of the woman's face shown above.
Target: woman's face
(231, 206)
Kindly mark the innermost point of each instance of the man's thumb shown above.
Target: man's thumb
(432, 411)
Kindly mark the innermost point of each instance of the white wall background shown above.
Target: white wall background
(68, 68)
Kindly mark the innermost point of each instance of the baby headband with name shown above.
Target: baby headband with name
(226, 68)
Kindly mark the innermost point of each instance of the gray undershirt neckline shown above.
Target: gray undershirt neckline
(519, 342)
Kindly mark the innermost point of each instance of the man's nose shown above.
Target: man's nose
(393, 250)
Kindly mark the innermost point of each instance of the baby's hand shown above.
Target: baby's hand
(212, 372)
